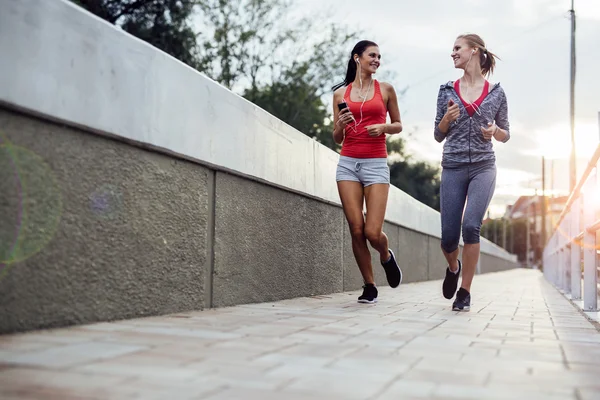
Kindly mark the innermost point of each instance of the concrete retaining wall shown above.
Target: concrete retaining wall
(132, 185)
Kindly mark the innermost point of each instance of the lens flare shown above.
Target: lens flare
(106, 201)
(31, 204)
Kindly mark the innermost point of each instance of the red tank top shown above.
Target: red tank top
(471, 107)
(358, 143)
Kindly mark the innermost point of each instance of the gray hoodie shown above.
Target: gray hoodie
(465, 143)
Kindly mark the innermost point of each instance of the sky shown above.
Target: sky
(532, 38)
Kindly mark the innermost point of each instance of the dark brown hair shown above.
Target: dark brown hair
(358, 50)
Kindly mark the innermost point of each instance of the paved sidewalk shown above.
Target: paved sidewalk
(522, 340)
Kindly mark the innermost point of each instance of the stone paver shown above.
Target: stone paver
(522, 340)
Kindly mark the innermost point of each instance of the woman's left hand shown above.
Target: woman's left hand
(376, 130)
(488, 132)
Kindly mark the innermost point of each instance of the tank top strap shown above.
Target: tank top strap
(377, 88)
(347, 93)
(377, 91)
(379, 94)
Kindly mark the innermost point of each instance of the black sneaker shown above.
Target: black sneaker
(369, 295)
(451, 282)
(463, 301)
(392, 271)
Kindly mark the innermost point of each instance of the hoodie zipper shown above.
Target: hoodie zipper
(471, 119)
(470, 127)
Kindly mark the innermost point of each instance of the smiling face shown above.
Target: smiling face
(462, 53)
(370, 59)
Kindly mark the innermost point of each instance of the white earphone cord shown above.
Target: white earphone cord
(355, 127)
(475, 106)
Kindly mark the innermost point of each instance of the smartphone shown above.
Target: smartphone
(342, 105)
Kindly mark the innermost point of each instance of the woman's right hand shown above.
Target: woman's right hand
(452, 112)
(344, 118)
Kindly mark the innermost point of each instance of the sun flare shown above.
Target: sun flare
(555, 143)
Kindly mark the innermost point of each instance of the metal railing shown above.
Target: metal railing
(574, 241)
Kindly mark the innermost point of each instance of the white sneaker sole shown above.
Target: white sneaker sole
(464, 309)
(367, 301)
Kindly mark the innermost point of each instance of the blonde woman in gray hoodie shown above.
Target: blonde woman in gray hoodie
(471, 115)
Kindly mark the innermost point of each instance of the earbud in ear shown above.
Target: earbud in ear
(473, 51)
(356, 59)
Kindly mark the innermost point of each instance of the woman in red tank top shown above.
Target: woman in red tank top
(360, 108)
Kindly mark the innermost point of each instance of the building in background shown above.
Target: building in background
(519, 230)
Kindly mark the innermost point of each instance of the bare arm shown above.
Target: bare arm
(395, 125)
(338, 127)
(391, 101)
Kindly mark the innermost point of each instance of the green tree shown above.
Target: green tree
(419, 179)
(254, 43)
(296, 94)
(163, 23)
(297, 102)
(240, 37)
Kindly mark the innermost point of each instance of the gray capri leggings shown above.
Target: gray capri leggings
(473, 184)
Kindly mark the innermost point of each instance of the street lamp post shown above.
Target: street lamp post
(572, 169)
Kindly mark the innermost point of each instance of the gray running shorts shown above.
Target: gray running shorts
(367, 171)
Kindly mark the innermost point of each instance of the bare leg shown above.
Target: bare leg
(469, 260)
(376, 197)
(352, 197)
(452, 259)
